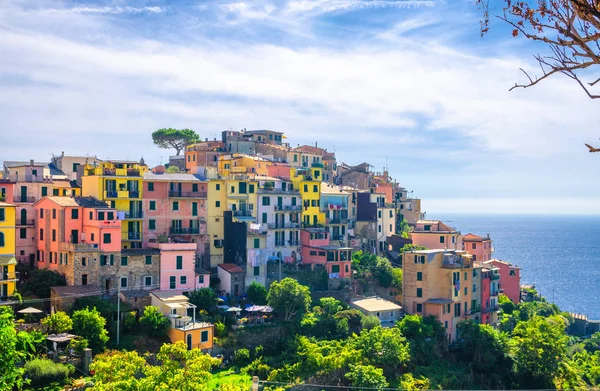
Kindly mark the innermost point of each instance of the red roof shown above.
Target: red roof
(231, 268)
(473, 238)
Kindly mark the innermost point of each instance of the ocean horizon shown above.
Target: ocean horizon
(559, 254)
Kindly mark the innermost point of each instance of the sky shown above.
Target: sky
(407, 84)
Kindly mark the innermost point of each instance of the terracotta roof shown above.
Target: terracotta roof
(474, 238)
(231, 268)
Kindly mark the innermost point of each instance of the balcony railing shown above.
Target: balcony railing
(280, 243)
(133, 172)
(491, 309)
(138, 214)
(317, 165)
(187, 194)
(111, 194)
(134, 236)
(283, 225)
(293, 242)
(242, 213)
(79, 246)
(109, 172)
(494, 293)
(288, 208)
(337, 220)
(185, 231)
(9, 276)
(24, 199)
(309, 225)
(337, 237)
(134, 194)
(26, 222)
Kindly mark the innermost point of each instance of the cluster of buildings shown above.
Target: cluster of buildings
(235, 211)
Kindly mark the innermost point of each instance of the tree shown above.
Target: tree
(485, 349)
(39, 282)
(105, 307)
(174, 138)
(289, 297)
(57, 323)
(118, 370)
(173, 170)
(204, 298)
(369, 322)
(154, 322)
(506, 304)
(383, 347)
(539, 345)
(569, 29)
(89, 324)
(354, 318)
(592, 344)
(10, 374)
(30, 343)
(427, 337)
(367, 376)
(257, 294)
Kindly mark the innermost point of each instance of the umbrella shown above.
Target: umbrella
(266, 308)
(233, 309)
(223, 307)
(254, 308)
(30, 310)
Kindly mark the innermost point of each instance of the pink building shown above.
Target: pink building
(434, 234)
(177, 266)
(479, 247)
(175, 208)
(316, 250)
(279, 170)
(510, 279)
(78, 237)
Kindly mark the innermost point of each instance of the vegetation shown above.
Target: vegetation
(106, 308)
(57, 323)
(367, 266)
(39, 282)
(257, 294)
(10, 374)
(154, 322)
(289, 298)
(89, 324)
(42, 372)
(205, 299)
(174, 138)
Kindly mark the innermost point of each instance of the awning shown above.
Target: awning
(6, 260)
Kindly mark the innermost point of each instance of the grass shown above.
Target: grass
(229, 377)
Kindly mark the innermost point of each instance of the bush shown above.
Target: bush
(258, 368)
(369, 322)
(130, 320)
(220, 329)
(42, 372)
(257, 294)
(89, 324)
(241, 357)
(154, 322)
(57, 323)
(39, 282)
(78, 345)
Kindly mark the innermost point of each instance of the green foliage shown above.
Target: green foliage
(39, 282)
(369, 265)
(592, 344)
(288, 297)
(154, 322)
(174, 138)
(42, 372)
(427, 336)
(410, 383)
(539, 345)
(404, 228)
(354, 318)
(173, 170)
(220, 329)
(89, 324)
(412, 247)
(204, 298)
(506, 305)
(257, 294)
(383, 347)
(58, 322)
(10, 374)
(369, 322)
(106, 308)
(30, 343)
(483, 348)
(130, 321)
(258, 368)
(78, 345)
(323, 323)
(528, 310)
(366, 376)
(241, 357)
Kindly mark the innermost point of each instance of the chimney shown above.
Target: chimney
(31, 162)
(62, 154)
(206, 139)
(315, 144)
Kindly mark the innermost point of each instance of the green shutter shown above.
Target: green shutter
(179, 262)
(152, 205)
(123, 261)
(148, 259)
(194, 209)
(256, 243)
(151, 225)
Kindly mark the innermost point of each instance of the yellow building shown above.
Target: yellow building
(308, 181)
(8, 277)
(238, 163)
(119, 183)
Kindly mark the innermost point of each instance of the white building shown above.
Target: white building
(387, 312)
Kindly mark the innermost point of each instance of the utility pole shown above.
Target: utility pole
(118, 309)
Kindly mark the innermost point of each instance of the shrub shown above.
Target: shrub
(220, 329)
(130, 320)
(369, 322)
(257, 293)
(89, 324)
(241, 357)
(258, 368)
(39, 282)
(78, 345)
(154, 322)
(42, 372)
(57, 323)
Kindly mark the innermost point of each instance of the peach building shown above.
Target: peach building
(439, 283)
(177, 266)
(510, 279)
(434, 234)
(318, 252)
(479, 247)
(78, 237)
(203, 154)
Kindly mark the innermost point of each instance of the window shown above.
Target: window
(419, 276)
(474, 246)
(194, 209)
(264, 218)
(218, 186)
(44, 191)
(466, 276)
(124, 261)
(66, 258)
(41, 234)
(151, 225)
(91, 215)
(1, 239)
(266, 200)
(54, 214)
(55, 192)
(148, 259)
(391, 213)
(74, 214)
(446, 324)
(84, 279)
(427, 228)
(256, 243)
(148, 280)
(419, 307)
(183, 280)
(106, 238)
(123, 282)
(172, 282)
(251, 188)
(474, 288)
(232, 189)
(41, 213)
(103, 260)
(201, 279)
(92, 236)
(315, 188)
(23, 233)
(150, 186)
(312, 252)
(335, 268)
(110, 215)
(101, 215)
(347, 269)
(466, 308)
(378, 214)
(256, 270)
(83, 261)
(175, 205)
(54, 235)
(379, 228)
(179, 261)
(152, 205)
(390, 227)
(34, 172)
(419, 292)
(218, 204)
(466, 290)
(112, 259)
(204, 336)
(512, 273)
(456, 309)
(242, 187)
(442, 239)
(305, 188)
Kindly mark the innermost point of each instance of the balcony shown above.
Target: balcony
(242, 213)
(70, 246)
(136, 214)
(132, 236)
(134, 194)
(185, 231)
(14, 276)
(133, 172)
(309, 225)
(456, 262)
(337, 237)
(187, 194)
(277, 190)
(494, 293)
(280, 243)
(288, 208)
(316, 165)
(24, 199)
(495, 276)
(337, 220)
(25, 223)
(491, 309)
(385, 205)
(284, 225)
(109, 172)
(293, 243)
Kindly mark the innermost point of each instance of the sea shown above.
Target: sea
(559, 254)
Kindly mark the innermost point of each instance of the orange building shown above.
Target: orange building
(479, 247)
(434, 234)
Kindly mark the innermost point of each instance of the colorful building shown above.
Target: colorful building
(434, 234)
(479, 247)
(120, 184)
(8, 276)
(237, 163)
(510, 279)
(182, 315)
(334, 203)
(308, 182)
(202, 155)
(317, 251)
(439, 283)
(232, 279)
(177, 266)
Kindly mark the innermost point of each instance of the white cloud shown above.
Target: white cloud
(106, 10)
(324, 6)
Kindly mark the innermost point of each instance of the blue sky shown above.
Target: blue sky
(407, 82)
